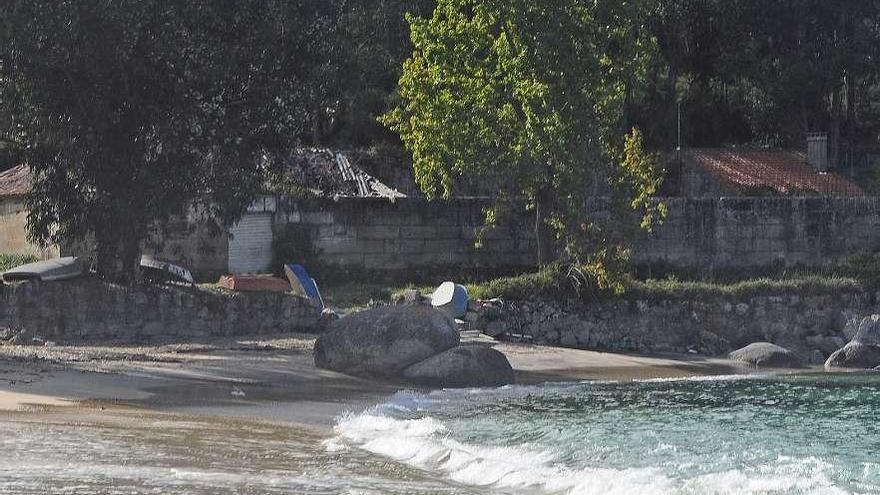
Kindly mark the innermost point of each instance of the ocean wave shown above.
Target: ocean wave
(425, 443)
(411, 429)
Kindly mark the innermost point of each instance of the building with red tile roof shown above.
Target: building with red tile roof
(714, 172)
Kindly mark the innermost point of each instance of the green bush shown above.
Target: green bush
(805, 285)
(8, 261)
(866, 269)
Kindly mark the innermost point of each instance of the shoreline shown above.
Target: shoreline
(268, 379)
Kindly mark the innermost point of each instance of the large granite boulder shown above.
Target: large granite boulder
(766, 355)
(869, 331)
(384, 341)
(854, 355)
(465, 366)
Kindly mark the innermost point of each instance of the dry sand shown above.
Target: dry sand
(272, 379)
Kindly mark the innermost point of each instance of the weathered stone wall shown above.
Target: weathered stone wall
(753, 232)
(378, 234)
(90, 310)
(810, 325)
(706, 234)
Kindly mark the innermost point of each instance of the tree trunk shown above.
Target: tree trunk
(544, 200)
(118, 255)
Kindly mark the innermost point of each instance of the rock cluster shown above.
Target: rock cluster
(863, 351)
(412, 341)
(809, 326)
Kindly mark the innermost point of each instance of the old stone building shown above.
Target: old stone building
(14, 185)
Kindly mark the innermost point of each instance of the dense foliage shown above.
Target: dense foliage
(129, 112)
(527, 97)
(763, 71)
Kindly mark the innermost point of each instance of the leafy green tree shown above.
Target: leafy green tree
(529, 97)
(130, 112)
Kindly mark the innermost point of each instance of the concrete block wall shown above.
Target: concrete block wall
(409, 233)
(752, 232)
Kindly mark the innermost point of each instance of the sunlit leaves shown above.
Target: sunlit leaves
(526, 98)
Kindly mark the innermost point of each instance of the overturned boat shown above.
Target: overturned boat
(47, 270)
(164, 271)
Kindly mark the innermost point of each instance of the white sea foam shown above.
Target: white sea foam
(420, 439)
(425, 443)
(707, 378)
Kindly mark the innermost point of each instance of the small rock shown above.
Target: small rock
(409, 296)
(766, 355)
(472, 317)
(495, 328)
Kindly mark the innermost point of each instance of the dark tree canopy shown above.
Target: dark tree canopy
(128, 112)
(763, 71)
(363, 47)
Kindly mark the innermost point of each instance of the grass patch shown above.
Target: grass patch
(8, 261)
(550, 284)
(360, 295)
(544, 284)
(857, 274)
(806, 285)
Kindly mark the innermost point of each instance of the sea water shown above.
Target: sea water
(788, 434)
(807, 434)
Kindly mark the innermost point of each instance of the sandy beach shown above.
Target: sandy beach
(256, 416)
(270, 379)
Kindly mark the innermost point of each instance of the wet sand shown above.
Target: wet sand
(270, 380)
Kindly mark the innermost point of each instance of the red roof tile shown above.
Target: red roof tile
(16, 181)
(786, 172)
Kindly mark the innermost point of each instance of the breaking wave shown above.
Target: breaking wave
(698, 436)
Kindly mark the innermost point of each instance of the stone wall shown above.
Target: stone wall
(813, 325)
(377, 234)
(381, 235)
(753, 232)
(705, 234)
(90, 310)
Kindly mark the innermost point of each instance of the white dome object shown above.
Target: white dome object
(451, 298)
